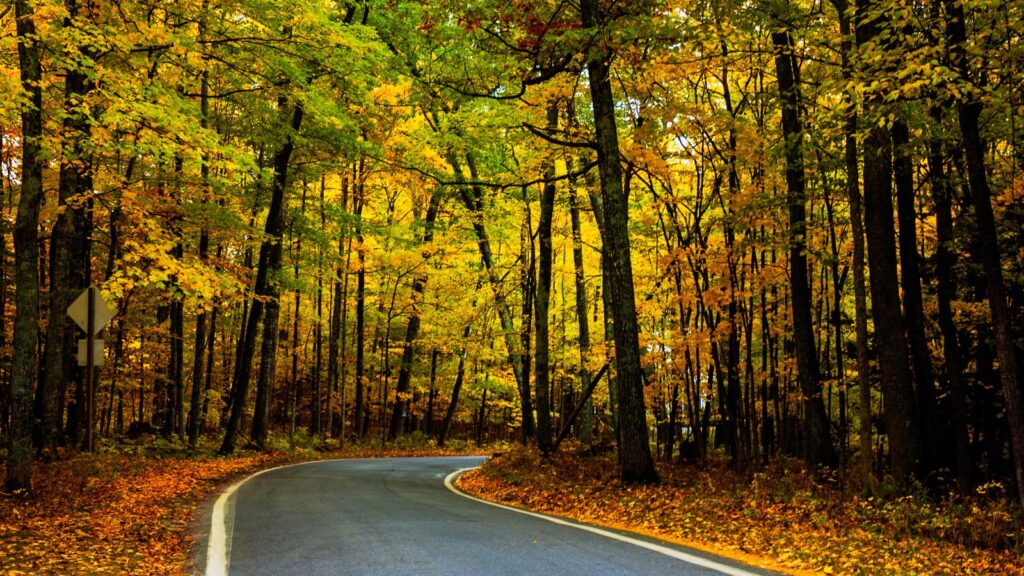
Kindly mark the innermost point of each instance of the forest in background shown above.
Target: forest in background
(762, 229)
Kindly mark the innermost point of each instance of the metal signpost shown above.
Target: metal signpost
(91, 313)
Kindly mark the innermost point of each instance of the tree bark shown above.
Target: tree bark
(360, 422)
(26, 253)
(586, 426)
(66, 255)
(412, 330)
(818, 448)
(275, 232)
(945, 289)
(264, 289)
(890, 329)
(636, 464)
(857, 231)
(969, 110)
(542, 300)
(913, 306)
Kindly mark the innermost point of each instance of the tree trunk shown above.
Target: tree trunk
(542, 353)
(586, 426)
(913, 307)
(636, 464)
(66, 278)
(275, 232)
(945, 289)
(857, 231)
(412, 330)
(472, 198)
(460, 376)
(818, 449)
(968, 113)
(270, 260)
(198, 367)
(890, 330)
(26, 253)
(360, 325)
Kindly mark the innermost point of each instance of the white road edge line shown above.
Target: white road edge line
(449, 483)
(218, 548)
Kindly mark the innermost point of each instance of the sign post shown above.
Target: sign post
(91, 313)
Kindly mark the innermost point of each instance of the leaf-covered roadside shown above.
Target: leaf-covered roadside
(111, 513)
(779, 519)
(127, 514)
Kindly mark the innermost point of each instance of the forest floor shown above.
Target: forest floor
(779, 519)
(129, 509)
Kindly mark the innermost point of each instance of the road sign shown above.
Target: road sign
(79, 311)
(91, 313)
(83, 352)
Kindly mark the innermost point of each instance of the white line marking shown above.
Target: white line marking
(449, 483)
(218, 548)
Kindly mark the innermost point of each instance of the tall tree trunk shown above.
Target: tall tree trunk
(945, 289)
(472, 198)
(198, 367)
(528, 289)
(66, 279)
(636, 464)
(296, 254)
(542, 354)
(968, 113)
(360, 425)
(26, 253)
(412, 330)
(857, 231)
(818, 449)
(913, 307)
(460, 376)
(586, 425)
(890, 330)
(318, 336)
(275, 231)
(264, 289)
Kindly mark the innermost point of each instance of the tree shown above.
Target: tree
(26, 252)
(818, 449)
(636, 464)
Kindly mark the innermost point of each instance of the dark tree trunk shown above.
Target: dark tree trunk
(432, 394)
(857, 231)
(198, 358)
(472, 198)
(913, 307)
(528, 289)
(412, 330)
(890, 329)
(318, 335)
(945, 288)
(542, 354)
(360, 422)
(275, 232)
(460, 376)
(636, 464)
(211, 340)
(968, 113)
(270, 260)
(818, 449)
(26, 254)
(66, 257)
(586, 425)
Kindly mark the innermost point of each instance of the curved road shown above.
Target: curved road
(396, 516)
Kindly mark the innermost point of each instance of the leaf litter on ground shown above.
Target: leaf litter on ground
(779, 519)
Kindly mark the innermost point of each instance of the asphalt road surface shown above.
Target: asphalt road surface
(397, 516)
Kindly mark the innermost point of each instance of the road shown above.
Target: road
(396, 516)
